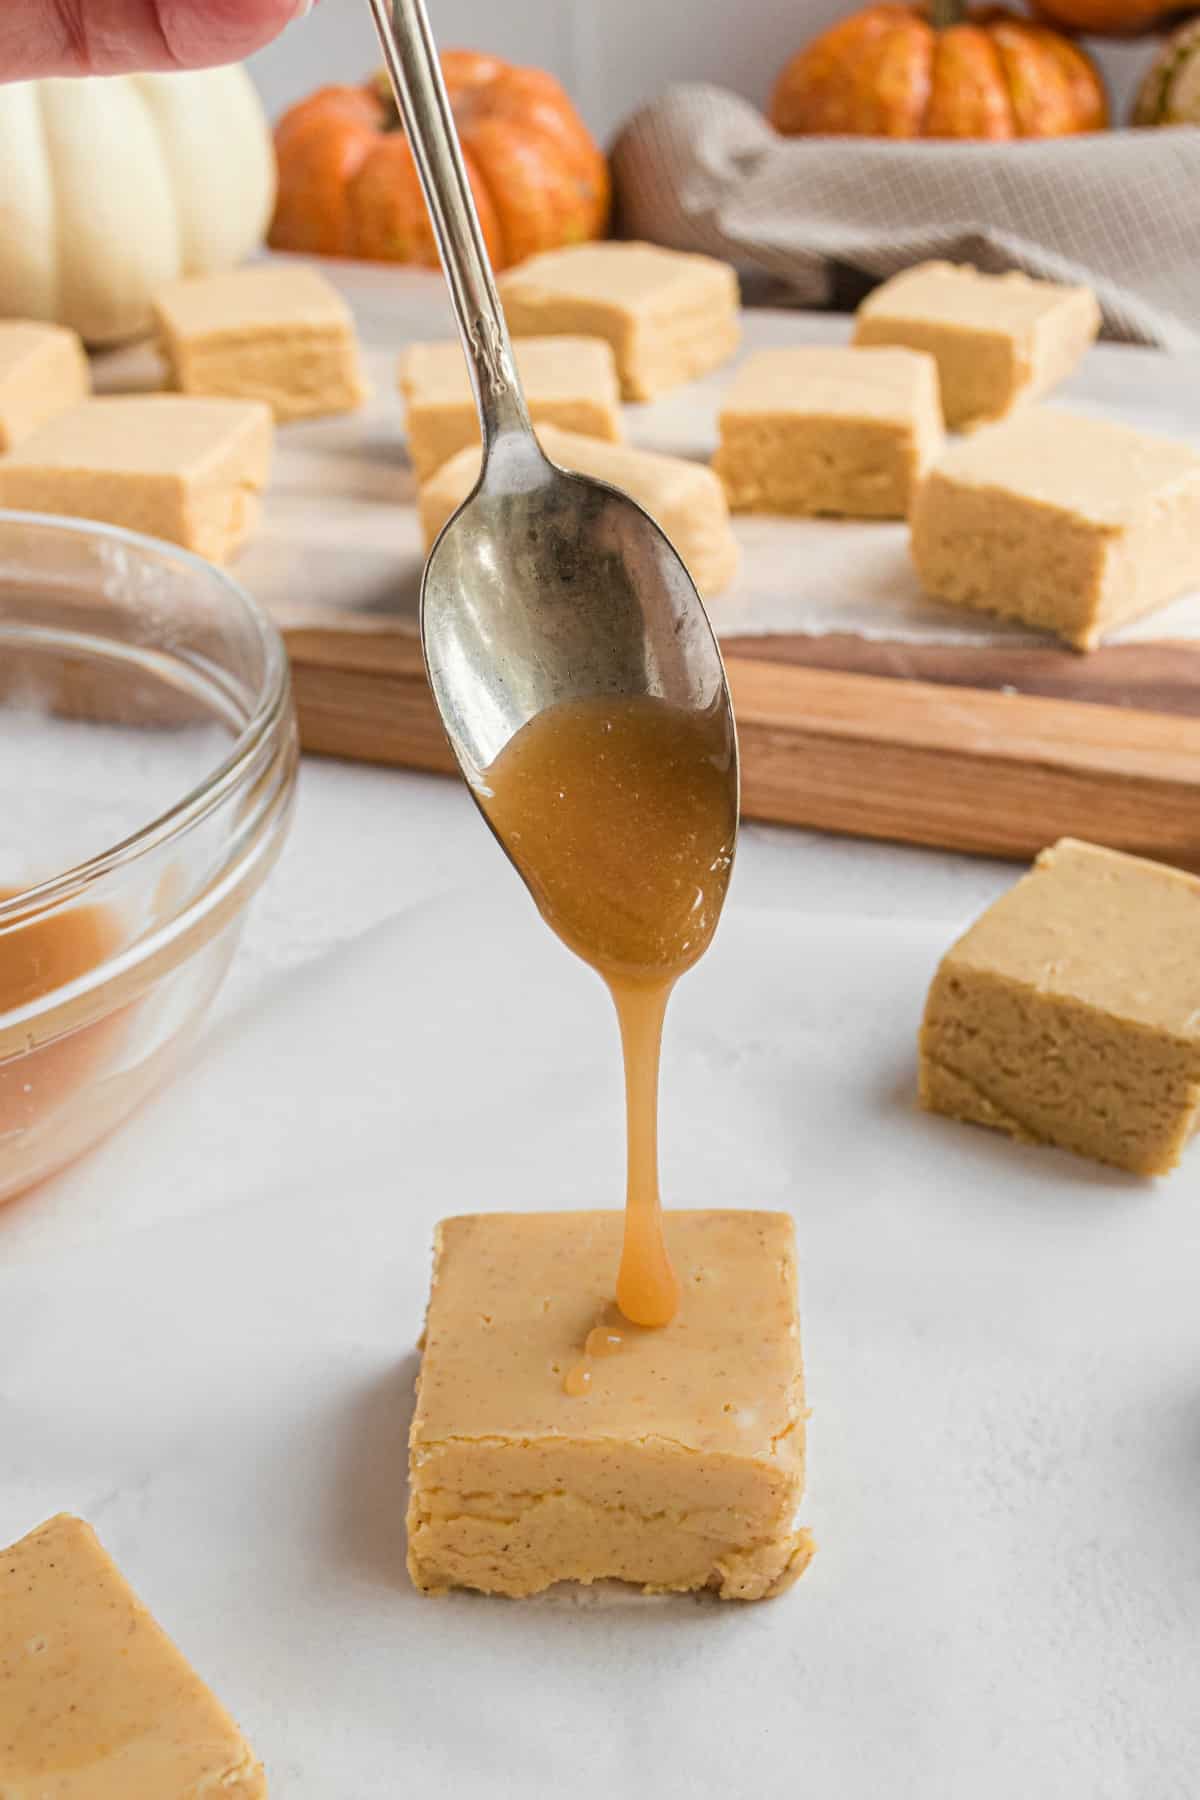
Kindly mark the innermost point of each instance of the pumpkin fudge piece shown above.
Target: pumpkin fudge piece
(279, 333)
(1071, 524)
(1070, 1012)
(997, 339)
(569, 381)
(669, 316)
(96, 1703)
(682, 1464)
(685, 498)
(815, 430)
(43, 371)
(171, 466)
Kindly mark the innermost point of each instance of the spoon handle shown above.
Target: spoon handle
(416, 77)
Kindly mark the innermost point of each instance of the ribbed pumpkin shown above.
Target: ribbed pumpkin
(114, 184)
(348, 185)
(895, 71)
(1170, 90)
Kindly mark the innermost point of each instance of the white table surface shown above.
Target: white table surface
(207, 1330)
(371, 843)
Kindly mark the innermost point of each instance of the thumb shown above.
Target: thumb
(108, 37)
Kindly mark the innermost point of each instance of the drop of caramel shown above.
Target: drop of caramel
(577, 1381)
(602, 1340)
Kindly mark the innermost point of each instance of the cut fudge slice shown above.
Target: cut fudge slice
(1071, 524)
(680, 1466)
(43, 371)
(684, 497)
(569, 381)
(997, 339)
(1070, 1012)
(279, 333)
(175, 467)
(669, 316)
(96, 1703)
(815, 430)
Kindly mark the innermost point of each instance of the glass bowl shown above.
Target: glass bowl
(148, 759)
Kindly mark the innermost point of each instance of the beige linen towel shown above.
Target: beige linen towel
(701, 169)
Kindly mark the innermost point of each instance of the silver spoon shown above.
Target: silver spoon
(544, 586)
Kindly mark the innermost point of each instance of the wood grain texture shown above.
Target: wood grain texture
(1159, 677)
(963, 768)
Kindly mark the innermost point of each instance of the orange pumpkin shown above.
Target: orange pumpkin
(348, 185)
(892, 71)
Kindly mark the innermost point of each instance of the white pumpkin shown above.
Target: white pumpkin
(110, 186)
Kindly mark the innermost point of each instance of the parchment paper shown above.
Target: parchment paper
(339, 540)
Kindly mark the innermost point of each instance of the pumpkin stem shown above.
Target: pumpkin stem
(387, 99)
(945, 13)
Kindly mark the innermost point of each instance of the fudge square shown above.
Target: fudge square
(839, 430)
(43, 371)
(1070, 1012)
(685, 498)
(669, 316)
(173, 466)
(279, 333)
(96, 1703)
(569, 381)
(1068, 523)
(997, 339)
(682, 1465)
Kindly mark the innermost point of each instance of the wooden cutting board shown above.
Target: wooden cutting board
(992, 743)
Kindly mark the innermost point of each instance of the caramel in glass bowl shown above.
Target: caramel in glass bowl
(148, 759)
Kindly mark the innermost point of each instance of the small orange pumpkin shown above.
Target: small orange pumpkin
(893, 71)
(348, 185)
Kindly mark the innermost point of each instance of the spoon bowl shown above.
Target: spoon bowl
(546, 587)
